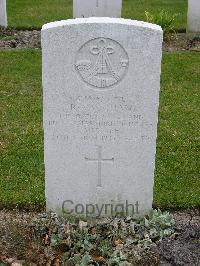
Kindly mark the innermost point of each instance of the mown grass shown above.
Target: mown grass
(33, 14)
(21, 139)
(177, 180)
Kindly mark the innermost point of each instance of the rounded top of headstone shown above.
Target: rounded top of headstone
(103, 20)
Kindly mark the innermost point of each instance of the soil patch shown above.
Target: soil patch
(20, 245)
(182, 42)
(182, 248)
(10, 38)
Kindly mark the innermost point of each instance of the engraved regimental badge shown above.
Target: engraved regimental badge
(102, 62)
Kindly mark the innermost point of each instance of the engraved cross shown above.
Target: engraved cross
(99, 160)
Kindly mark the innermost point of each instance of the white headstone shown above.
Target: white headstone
(3, 14)
(97, 8)
(101, 81)
(193, 16)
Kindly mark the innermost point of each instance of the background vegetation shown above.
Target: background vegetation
(33, 14)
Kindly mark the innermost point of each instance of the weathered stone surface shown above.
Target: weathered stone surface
(3, 13)
(97, 8)
(193, 16)
(101, 81)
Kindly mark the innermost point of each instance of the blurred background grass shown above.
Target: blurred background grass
(33, 14)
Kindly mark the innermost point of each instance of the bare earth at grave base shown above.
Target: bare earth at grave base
(21, 244)
(10, 38)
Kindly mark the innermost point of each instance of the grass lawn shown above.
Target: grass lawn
(22, 172)
(21, 141)
(33, 14)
